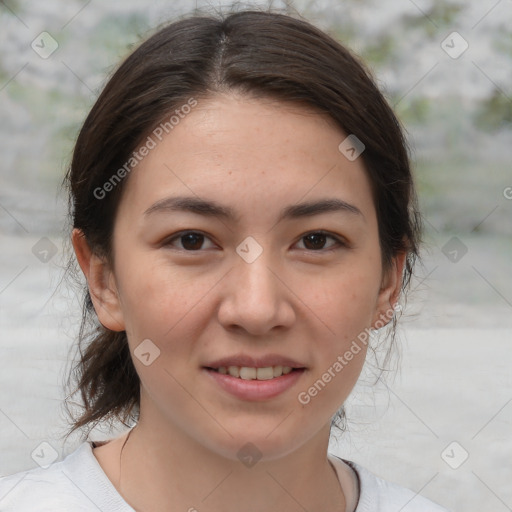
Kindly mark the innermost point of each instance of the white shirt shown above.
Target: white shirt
(79, 484)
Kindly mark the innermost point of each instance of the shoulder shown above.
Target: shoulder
(49, 488)
(379, 495)
(76, 483)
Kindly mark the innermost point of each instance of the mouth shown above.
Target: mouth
(252, 373)
(255, 379)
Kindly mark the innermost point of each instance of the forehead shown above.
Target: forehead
(250, 153)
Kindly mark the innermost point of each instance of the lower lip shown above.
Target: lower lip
(256, 390)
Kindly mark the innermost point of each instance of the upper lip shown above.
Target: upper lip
(254, 362)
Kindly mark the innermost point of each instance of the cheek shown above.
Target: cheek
(346, 304)
(162, 303)
(348, 300)
(346, 307)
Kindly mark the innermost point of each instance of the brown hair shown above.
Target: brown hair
(266, 54)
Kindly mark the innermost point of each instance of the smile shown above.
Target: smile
(249, 373)
(254, 384)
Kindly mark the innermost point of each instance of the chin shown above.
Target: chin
(258, 441)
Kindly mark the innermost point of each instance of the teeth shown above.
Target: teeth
(234, 371)
(265, 373)
(247, 373)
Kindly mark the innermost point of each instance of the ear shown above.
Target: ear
(389, 291)
(101, 283)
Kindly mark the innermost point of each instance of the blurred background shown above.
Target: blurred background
(442, 424)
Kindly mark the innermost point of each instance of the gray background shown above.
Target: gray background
(455, 381)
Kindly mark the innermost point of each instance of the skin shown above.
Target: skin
(255, 156)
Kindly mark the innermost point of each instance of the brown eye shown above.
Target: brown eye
(190, 240)
(316, 241)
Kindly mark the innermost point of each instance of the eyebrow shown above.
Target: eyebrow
(214, 209)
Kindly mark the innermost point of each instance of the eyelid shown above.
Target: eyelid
(167, 240)
(340, 240)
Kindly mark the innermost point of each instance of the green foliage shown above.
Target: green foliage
(494, 113)
(11, 8)
(381, 50)
(445, 13)
(414, 110)
(503, 41)
(343, 32)
(7, 10)
(440, 15)
(115, 36)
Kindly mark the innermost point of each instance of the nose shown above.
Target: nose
(256, 297)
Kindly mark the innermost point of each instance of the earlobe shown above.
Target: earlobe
(390, 291)
(101, 283)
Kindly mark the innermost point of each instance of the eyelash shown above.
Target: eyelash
(340, 242)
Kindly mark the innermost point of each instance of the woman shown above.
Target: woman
(244, 215)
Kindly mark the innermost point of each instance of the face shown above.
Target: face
(246, 272)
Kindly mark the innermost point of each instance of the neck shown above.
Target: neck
(158, 469)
